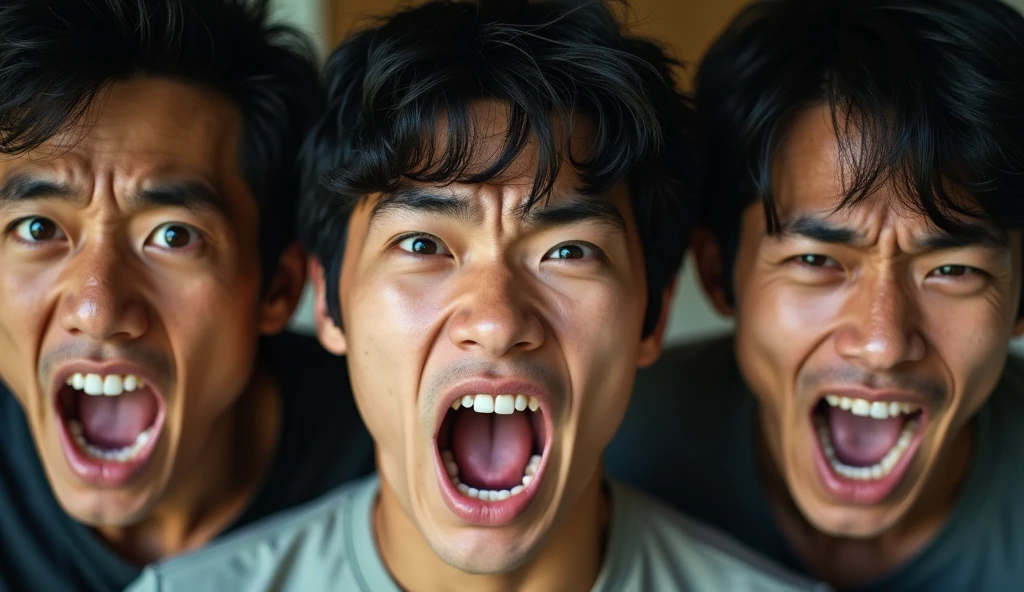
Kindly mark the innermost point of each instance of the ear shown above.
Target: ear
(652, 345)
(327, 331)
(711, 270)
(284, 291)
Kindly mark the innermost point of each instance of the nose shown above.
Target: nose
(880, 329)
(494, 316)
(101, 300)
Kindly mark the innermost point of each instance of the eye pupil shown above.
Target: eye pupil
(176, 236)
(424, 247)
(570, 252)
(40, 229)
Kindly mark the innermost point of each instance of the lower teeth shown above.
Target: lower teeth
(119, 455)
(488, 495)
(872, 473)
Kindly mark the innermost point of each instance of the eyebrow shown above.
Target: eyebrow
(191, 195)
(572, 209)
(967, 235)
(820, 231)
(445, 204)
(578, 208)
(18, 188)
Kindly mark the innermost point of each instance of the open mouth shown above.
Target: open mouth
(110, 425)
(490, 453)
(866, 446)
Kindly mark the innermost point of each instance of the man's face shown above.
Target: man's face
(869, 336)
(492, 354)
(129, 278)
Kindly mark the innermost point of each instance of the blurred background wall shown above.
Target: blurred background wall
(687, 27)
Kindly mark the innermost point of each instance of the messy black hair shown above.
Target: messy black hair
(547, 61)
(57, 56)
(924, 94)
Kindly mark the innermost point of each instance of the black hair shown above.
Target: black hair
(57, 56)
(925, 94)
(389, 84)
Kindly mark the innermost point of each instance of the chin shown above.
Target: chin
(105, 510)
(483, 558)
(109, 508)
(851, 523)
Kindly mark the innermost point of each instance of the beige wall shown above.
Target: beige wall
(688, 26)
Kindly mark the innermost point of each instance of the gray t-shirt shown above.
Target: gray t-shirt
(694, 408)
(330, 545)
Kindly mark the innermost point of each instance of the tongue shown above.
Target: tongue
(862, 441)
(115, 422)
(491, 450)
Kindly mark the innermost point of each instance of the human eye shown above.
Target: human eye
(814, 260)
(955, 271)
(174, 236)
(574, 250)
(35, 229)
(422, 244)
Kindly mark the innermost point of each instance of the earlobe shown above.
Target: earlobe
(707, 254)
(285, 289)
(652, 345)
(327, 331)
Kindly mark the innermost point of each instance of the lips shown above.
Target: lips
(109, 418)
(866, 442)
(491, 449)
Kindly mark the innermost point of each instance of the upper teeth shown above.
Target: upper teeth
(875, 409)
(110, 384)
(501, 404)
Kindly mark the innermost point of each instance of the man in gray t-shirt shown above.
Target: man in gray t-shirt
(504, 212)
(714, 438)
(863, 222)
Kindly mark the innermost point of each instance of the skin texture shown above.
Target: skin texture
(104, 284)
(491, 302)
(879, 313)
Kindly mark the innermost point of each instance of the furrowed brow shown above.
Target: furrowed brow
(444, 204)
(819, 230)
(966, 235)
(578, 209)
(191, 195)
(21, 188)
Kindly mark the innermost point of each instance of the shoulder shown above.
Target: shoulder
(297, 549)
(1003, 415)
(691, 404)
(679, 552)
(324, 442)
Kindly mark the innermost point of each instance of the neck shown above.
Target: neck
(578, 541)
(215, 487)
(850, 562)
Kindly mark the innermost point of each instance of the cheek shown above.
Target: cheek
(27, 308)
(778, 326)
(598, 330)
(971, 339)
(214, 360)
(389, 327)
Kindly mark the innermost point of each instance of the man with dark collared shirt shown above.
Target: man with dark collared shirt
(148, 186)
(863, 219)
